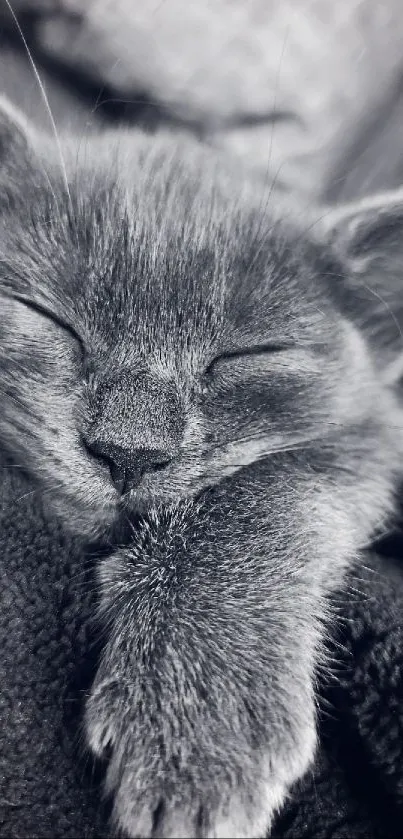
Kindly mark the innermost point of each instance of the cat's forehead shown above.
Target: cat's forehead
(153, 252)
(182, 275)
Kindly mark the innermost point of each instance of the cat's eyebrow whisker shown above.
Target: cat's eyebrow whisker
(365, 184)
(274, 121)
(263, 206)
(86, 128)
(99, 103)
(45, 100)
(307, 229)
(387, 307)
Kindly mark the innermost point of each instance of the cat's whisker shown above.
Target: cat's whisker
(274, 113)
(113, 100)
(45, 99)
(306, 229)
(263, 206)
(84, 134)
(10, 465)
(387, 307)
(40, 490)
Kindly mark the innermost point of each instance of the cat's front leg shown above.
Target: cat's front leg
(204, 697)
(194, 791)
(224, 787)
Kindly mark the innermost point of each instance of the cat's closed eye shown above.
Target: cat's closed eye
(237, 357)
(31, 313)
(258, 360)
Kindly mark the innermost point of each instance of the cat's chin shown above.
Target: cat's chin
(93, 524)
(113, 520)
(110, 522)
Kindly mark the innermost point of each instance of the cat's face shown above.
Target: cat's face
(159, 333)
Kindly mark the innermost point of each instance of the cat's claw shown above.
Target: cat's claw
(245, 816)
(150, 803)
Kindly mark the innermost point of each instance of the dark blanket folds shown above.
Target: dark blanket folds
(49, 787)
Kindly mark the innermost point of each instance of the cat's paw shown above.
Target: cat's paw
(164, 789)
(245, 812)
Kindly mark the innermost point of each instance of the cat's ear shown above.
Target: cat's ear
(16, 142)
(367, 239)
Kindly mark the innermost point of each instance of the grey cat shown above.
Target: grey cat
(174, 355)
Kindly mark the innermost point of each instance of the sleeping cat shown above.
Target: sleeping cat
(174, 356)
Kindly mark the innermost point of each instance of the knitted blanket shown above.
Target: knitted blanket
(49, 787)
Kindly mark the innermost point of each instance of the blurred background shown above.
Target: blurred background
(306, 92)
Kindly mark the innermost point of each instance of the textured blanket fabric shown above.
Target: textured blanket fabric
(45, 655)
(48, 642)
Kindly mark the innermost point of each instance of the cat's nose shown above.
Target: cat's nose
(127, 466)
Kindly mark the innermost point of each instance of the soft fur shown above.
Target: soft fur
(150, 303)
(48, 630)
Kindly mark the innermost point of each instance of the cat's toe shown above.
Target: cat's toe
(166, 785)
(247, 814)
(100, 719)
(210, 811)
